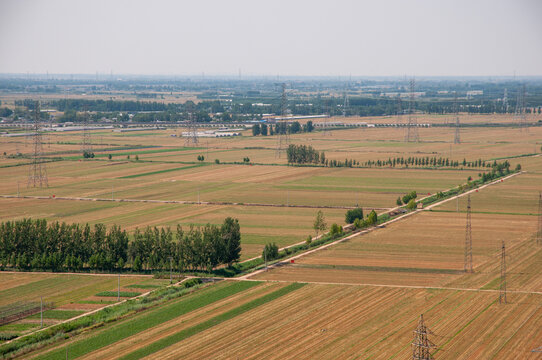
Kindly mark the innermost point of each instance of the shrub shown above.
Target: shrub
(411, 204)
(411, 195)
(353, 214)
(217, 161)
(309, 240)
(192, 282)
(398, 201)
(372, 218)
(336, 230)
(271, 251)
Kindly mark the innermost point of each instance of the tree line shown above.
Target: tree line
(34, 244)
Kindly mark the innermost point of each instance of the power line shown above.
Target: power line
(37, 174)
(421, 344)
(467, 267)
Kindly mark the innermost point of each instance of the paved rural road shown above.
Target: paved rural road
(282, 263)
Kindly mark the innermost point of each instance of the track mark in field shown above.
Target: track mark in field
(173, 339)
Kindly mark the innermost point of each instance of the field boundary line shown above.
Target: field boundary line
(365, 231)
(414, 287)
(185, 202)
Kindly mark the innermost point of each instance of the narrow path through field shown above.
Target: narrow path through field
(181, 202)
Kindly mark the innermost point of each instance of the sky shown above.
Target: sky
(294, 37)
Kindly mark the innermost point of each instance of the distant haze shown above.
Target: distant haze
(319, 38)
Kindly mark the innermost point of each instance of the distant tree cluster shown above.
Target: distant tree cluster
(372, 219)
(353, 214)
(34, 244)
(88, 154)
(281, 128)
(303, 154)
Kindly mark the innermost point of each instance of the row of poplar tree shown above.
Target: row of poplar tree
(35, 244)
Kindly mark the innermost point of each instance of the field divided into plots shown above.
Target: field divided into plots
(290, 321)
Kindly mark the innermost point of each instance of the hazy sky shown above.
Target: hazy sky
(217, 37)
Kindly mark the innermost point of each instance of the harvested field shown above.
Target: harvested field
(358, 321)
(424, 250)
(58, 288)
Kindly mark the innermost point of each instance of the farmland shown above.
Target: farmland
(360, 298)
(358, 320)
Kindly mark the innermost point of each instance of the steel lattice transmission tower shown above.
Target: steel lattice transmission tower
(457, 136)
(502, 292)
(86, 144)
(346, 102)
(468, 240)
(539, 232)
(520, 113)
(192, 137)
(399, 110)
(37, 174)
(412, 125)
(283, 132)
(421, 344)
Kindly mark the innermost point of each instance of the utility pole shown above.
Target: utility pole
(112, 192)
(502, 293)
(468, 240)
(118, 288)
(18, 194)
(421, 344)
(170, 270)
(41, 311)
(265, 256)
(287, 197)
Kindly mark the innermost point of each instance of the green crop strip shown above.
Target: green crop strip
(148, 320)
(175, 338)
(161, 171)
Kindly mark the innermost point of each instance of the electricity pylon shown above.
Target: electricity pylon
(37, 174)
(421, 344)
(283, 131)
(457, 137)
(412, 125)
